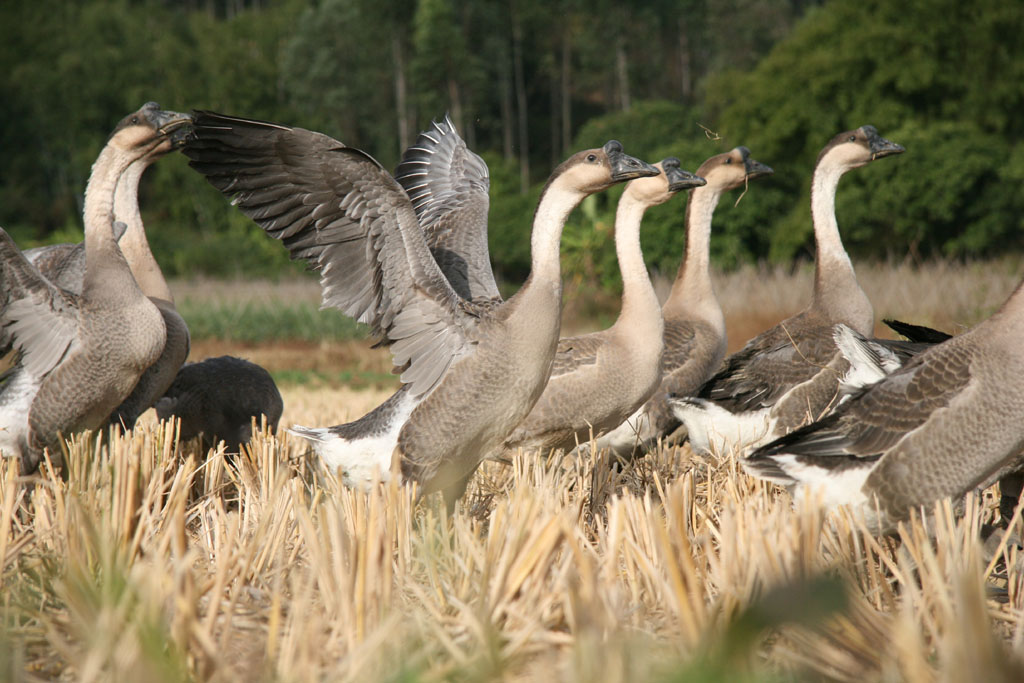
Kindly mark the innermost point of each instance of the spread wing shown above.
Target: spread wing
(872, 422)
(448, 185)
(37, 318)
(61, 264)
(336, 208)
(576, 352)
(769, 365)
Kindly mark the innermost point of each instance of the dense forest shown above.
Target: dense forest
(527, 82)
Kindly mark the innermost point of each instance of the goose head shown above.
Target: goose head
(151, 130)
(728, 171)
(593, 170)
(658, 189)
(856, 148)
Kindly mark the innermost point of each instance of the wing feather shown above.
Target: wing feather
(337, 209)
(448, 185)
(37, 318)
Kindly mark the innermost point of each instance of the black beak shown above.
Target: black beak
(755, 169)
(625, 167)
(879, 146)
(678, 179)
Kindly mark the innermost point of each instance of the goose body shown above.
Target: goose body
(219, 398)
(789, 374)
(79, 355)
(947, 421)
(64, 266)
(694, 336)
(471, 371)
(599, 379)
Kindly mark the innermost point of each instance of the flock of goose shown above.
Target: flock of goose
(813, 403)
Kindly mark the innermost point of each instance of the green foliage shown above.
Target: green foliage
(941, 77)
(254, 322)
(927, 74)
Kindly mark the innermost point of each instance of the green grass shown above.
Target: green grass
(354, 379)
(267, 321)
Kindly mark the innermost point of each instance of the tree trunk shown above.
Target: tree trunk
(685, 63)
(455, 98)
(401, 95)
(507, 125)
(622, 73)
(566, 92)
(555, 128)
(521, 112)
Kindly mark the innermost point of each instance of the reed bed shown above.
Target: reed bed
(155, 562)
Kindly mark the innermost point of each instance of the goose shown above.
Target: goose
(79, 355)
(473, 371)
(947, 421)
(158, 376)
(872, 360)
(219, 398)
(695, 340)
(788, 375)
(64, 266)
(599, 379)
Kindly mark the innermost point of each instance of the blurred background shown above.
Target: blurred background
(527, 82)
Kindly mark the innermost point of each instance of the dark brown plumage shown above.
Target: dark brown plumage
(219, 398)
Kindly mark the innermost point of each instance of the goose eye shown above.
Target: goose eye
(853, 138)
(135, 120)
(728, 160)
(591, 157)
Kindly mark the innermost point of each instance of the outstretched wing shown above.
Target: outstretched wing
(448, 185)
(37, 318)
(338, 209)
(61, 264)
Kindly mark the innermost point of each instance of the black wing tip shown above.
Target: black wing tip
(916, 333)
(767, 467)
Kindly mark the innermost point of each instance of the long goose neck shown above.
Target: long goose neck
(553, 210)
(133, 243)
(836, 290)
(639, 301)
(106, 270)
(692, 292)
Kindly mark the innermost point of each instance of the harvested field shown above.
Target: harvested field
(154, 561)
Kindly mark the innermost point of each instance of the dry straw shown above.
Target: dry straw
(150, 564)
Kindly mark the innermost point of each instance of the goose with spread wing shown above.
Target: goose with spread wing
(80, 355)
(473, 370)
(789, 374)
(695, 339)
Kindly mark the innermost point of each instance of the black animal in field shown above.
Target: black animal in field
(218, 398)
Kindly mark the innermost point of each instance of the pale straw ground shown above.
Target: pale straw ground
(155, 562)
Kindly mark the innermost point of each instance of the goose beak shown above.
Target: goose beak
(168, 122)
(625, 167)
(755, 169)
(678, 179)
(880, 147)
